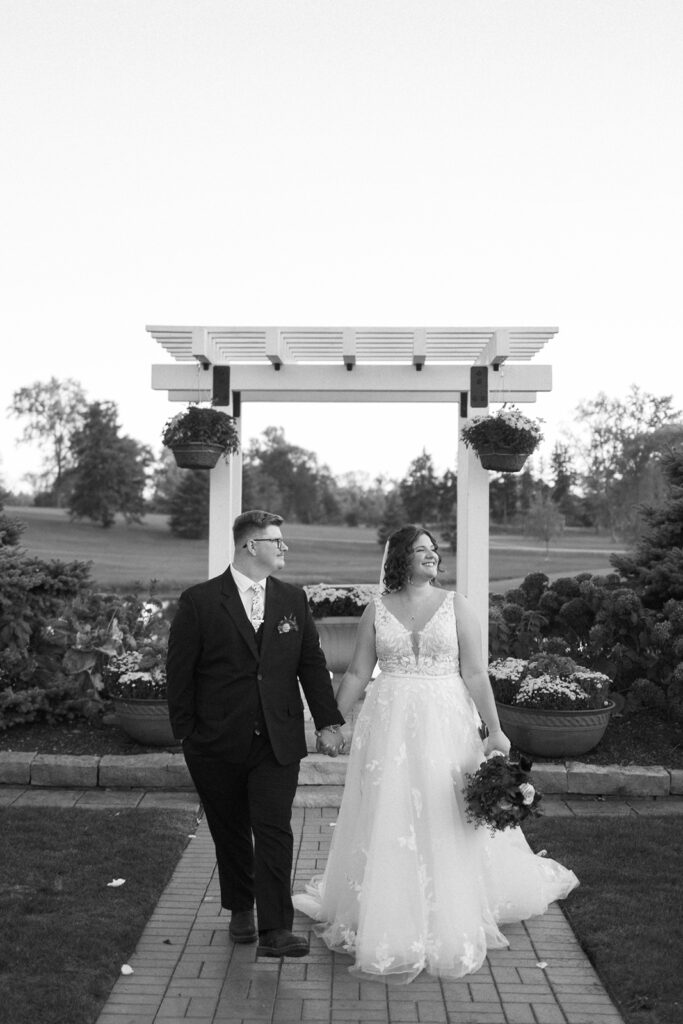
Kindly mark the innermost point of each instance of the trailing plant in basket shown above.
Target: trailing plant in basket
(204, 426)
(507, 430)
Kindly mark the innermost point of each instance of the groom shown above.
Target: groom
(239, 646)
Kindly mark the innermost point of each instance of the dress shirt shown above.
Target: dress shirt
(244, 585)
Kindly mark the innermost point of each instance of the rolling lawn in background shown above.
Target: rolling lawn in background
(126, 555)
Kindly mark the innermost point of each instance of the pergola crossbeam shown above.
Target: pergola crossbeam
(332, 383)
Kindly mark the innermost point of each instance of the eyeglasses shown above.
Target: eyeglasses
(281, 546)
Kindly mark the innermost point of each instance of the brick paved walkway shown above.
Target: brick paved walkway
(186, 967)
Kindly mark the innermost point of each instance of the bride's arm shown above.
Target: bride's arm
(362, 664)
(473, 671)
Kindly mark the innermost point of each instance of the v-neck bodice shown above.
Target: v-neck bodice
(433, 650)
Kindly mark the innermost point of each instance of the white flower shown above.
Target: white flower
(507, 668)
(528, 792)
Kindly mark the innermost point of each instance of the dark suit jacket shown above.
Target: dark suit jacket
(216, 673)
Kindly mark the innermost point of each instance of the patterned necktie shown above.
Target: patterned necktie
(257, 606)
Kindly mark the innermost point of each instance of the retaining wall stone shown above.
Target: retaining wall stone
(318, 796)
(144, 771)
(597, 780)
(676, 781)
(15, 767)
(550, 778)
(64, 770)
(321, 770)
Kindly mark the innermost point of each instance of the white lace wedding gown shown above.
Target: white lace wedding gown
(410, 885)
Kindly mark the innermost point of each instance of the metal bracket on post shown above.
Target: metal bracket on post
(221, 386)
(479, 387)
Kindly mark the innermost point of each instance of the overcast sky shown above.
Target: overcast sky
(361, 162)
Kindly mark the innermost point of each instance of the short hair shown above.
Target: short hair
(247, 523)
(399, 552)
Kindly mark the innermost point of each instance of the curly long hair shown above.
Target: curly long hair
(399, 555)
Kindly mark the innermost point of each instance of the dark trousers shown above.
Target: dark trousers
(248, 810)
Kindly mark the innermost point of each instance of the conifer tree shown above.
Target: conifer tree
(655, 570)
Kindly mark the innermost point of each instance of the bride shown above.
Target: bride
(410, 885)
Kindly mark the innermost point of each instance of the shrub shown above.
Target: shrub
(601, 623)
(57, 635)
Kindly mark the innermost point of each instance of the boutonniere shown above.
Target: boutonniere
(288, 625)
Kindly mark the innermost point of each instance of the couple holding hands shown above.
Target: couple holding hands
(409, 885)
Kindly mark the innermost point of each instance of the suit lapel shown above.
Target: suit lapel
(232, 602)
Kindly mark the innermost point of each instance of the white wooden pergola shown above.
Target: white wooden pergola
(468, 367)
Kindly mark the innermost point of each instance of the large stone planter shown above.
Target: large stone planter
(554, 733)
(145, 721)
(338, 639)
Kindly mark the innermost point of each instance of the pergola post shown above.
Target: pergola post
(472, 549)
(225, 502)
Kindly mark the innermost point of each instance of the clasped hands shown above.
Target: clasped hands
(330, 741)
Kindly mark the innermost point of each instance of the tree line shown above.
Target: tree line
(597, 478)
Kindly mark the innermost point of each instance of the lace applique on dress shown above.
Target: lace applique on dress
(433, 650)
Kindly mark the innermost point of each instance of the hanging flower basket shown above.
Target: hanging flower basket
(504, 440)
(196, 455)
(503, 462)
(199, 436)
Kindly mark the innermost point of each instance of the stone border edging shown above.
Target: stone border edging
(167, 771)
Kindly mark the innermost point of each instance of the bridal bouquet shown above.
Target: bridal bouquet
(499, 795)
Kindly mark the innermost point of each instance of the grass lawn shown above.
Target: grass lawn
(628, 909)
(124, 555)
(65, 934)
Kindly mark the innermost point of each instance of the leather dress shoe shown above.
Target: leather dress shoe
(279, 943)
(242, 927)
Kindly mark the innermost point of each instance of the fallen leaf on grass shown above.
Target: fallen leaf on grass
(127, 969)
(542, 964)
(115, 882)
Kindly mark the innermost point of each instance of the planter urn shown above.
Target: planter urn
(337, 639)
(145, 721)
(551, 733)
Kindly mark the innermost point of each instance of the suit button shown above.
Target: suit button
(259, 676)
